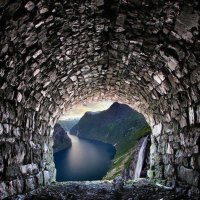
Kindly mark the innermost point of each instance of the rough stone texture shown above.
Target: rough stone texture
(55, 54)
(60, 138)
(116, 190)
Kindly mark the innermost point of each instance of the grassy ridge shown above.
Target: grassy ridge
(125, 152)
(126, 144)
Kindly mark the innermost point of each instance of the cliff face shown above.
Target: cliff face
(111, 126)
(61, 139)
(125, 161)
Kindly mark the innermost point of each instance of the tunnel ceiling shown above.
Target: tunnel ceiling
(54, 54)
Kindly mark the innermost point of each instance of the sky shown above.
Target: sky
(79, 110)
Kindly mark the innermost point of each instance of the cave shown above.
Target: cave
(55, 54)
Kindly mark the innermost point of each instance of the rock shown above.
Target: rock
(37, 53)
(99, 2)
(186, 21)
(31, 39)
(142, 189)
(12, 171)
(30, 6)
(40, 178)
(120, 20)
(169, 171)
(4, 49)
(43, 10)
(193, 192)
(61, 139)
(157, 130)
(30, 184)
(118, 184)
(189, 176)
(3, 3)
(14, 7)
(169, 149)
(191, 115)
(151, 174)
(19, 185)
(20, 197)
(3, 190)
(19, 97)
(1, 129)
(46, 177)
(198, 114)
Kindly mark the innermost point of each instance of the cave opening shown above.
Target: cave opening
(101, 140)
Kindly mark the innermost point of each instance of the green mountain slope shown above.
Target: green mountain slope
(119, 125)
(112, 126)
(126, 151)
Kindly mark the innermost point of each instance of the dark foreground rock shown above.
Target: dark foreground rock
(102, 190)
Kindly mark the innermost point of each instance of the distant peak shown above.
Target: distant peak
(115, 104)
(57, 125)
(119, 107)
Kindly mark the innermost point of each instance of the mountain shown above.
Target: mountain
(110, 126)
(119, 125)
(61, 139)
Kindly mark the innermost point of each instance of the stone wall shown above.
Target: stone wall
(54, 54)
(25, 149)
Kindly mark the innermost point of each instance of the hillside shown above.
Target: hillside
(61, 139)
(110, 126)
(127, 154)
(118, 125)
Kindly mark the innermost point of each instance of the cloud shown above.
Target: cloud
(79, 110)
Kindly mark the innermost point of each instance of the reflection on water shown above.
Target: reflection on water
(84, 160)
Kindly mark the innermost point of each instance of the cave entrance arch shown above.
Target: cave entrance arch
(55, 54)
(101, 126)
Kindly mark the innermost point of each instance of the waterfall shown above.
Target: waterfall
(141, 156)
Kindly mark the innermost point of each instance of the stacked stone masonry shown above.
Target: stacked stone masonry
(54, 54)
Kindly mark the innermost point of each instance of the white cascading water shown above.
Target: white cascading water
(141, 157)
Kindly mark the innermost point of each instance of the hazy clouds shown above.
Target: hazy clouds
(79, 110)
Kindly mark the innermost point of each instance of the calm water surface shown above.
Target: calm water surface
(84, 160)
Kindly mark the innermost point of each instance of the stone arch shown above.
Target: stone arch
(54, 54)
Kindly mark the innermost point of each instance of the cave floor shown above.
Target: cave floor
(102, 190)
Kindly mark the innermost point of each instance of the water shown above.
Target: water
(84, 160)
(141, 157)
